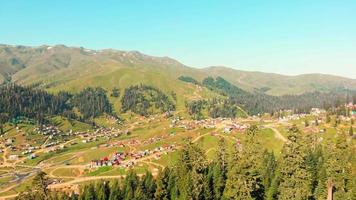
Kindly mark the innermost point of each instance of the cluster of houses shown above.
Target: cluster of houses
(352, 109)
(235, 127)
(227, 124)
(9, 143)
(101, 132)
(116, 159)
(29, 151)
(107, 132)
(192, 124)
(153, 140)
(120, 158)
(317, 111)
(291, 117)
(48, 130)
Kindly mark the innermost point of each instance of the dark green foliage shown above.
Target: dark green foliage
(188, 79)
(222, 108)
(268, 171)
(163, 181)
(195, 108)
(220, 168)
(301, 172)
(215, 108)
(146, 100)
(256, 103)
(245, 180)
(295, 178)
(351, 131)
(32, 103)
(92, 102)
(192, 168)
(115, 191)
(115, 92)
(338, 167)
(17, 101)
(3, 118)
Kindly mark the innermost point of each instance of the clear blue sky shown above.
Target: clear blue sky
(286, 36)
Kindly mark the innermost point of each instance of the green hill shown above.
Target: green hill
(60, 67)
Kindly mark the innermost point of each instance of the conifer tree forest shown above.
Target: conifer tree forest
(257, 102)
(21, 101)
(145, 100)
(301, 171)
(213, 107)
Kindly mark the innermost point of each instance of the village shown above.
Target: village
(127, 147)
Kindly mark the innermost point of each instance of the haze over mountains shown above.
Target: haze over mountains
(61, 67)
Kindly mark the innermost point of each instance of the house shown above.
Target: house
(353, 113)
(13, 157)
(32, 156)
(228, 129)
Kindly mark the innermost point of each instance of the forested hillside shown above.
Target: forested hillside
(146, 100)
(258, 102)
(17, 101)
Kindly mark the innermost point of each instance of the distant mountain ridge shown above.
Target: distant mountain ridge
(62, 67)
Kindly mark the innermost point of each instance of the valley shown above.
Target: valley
(74, 119)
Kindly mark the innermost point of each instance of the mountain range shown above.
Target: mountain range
(72, 68)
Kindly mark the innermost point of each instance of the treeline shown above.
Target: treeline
(302, 172)
(255, 103)
(146, 100)
(214, 108)
(92, 102)
(25, 101)
(22, 101)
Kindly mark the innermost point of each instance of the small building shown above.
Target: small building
(228, 129)
(13, 157)
(32, 156)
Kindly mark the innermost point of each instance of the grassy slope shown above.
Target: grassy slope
(281, 84)
(63, 67)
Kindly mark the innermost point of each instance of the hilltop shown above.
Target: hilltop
(72, 68)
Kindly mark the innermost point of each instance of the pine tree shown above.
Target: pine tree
(148, 185)
(115, 92)
(192, 165)
(130, 185)
(339, 167)
(102, 191)
(321, 190)
(139, 193)
(220, 169)
(268, 171)
(40, 185)
(172, 184)
(208, 185)
(3, 119)
(88, 193)
(162, 185)
(294, 177)
(351, 131)
(115, 191)
(245, 179)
